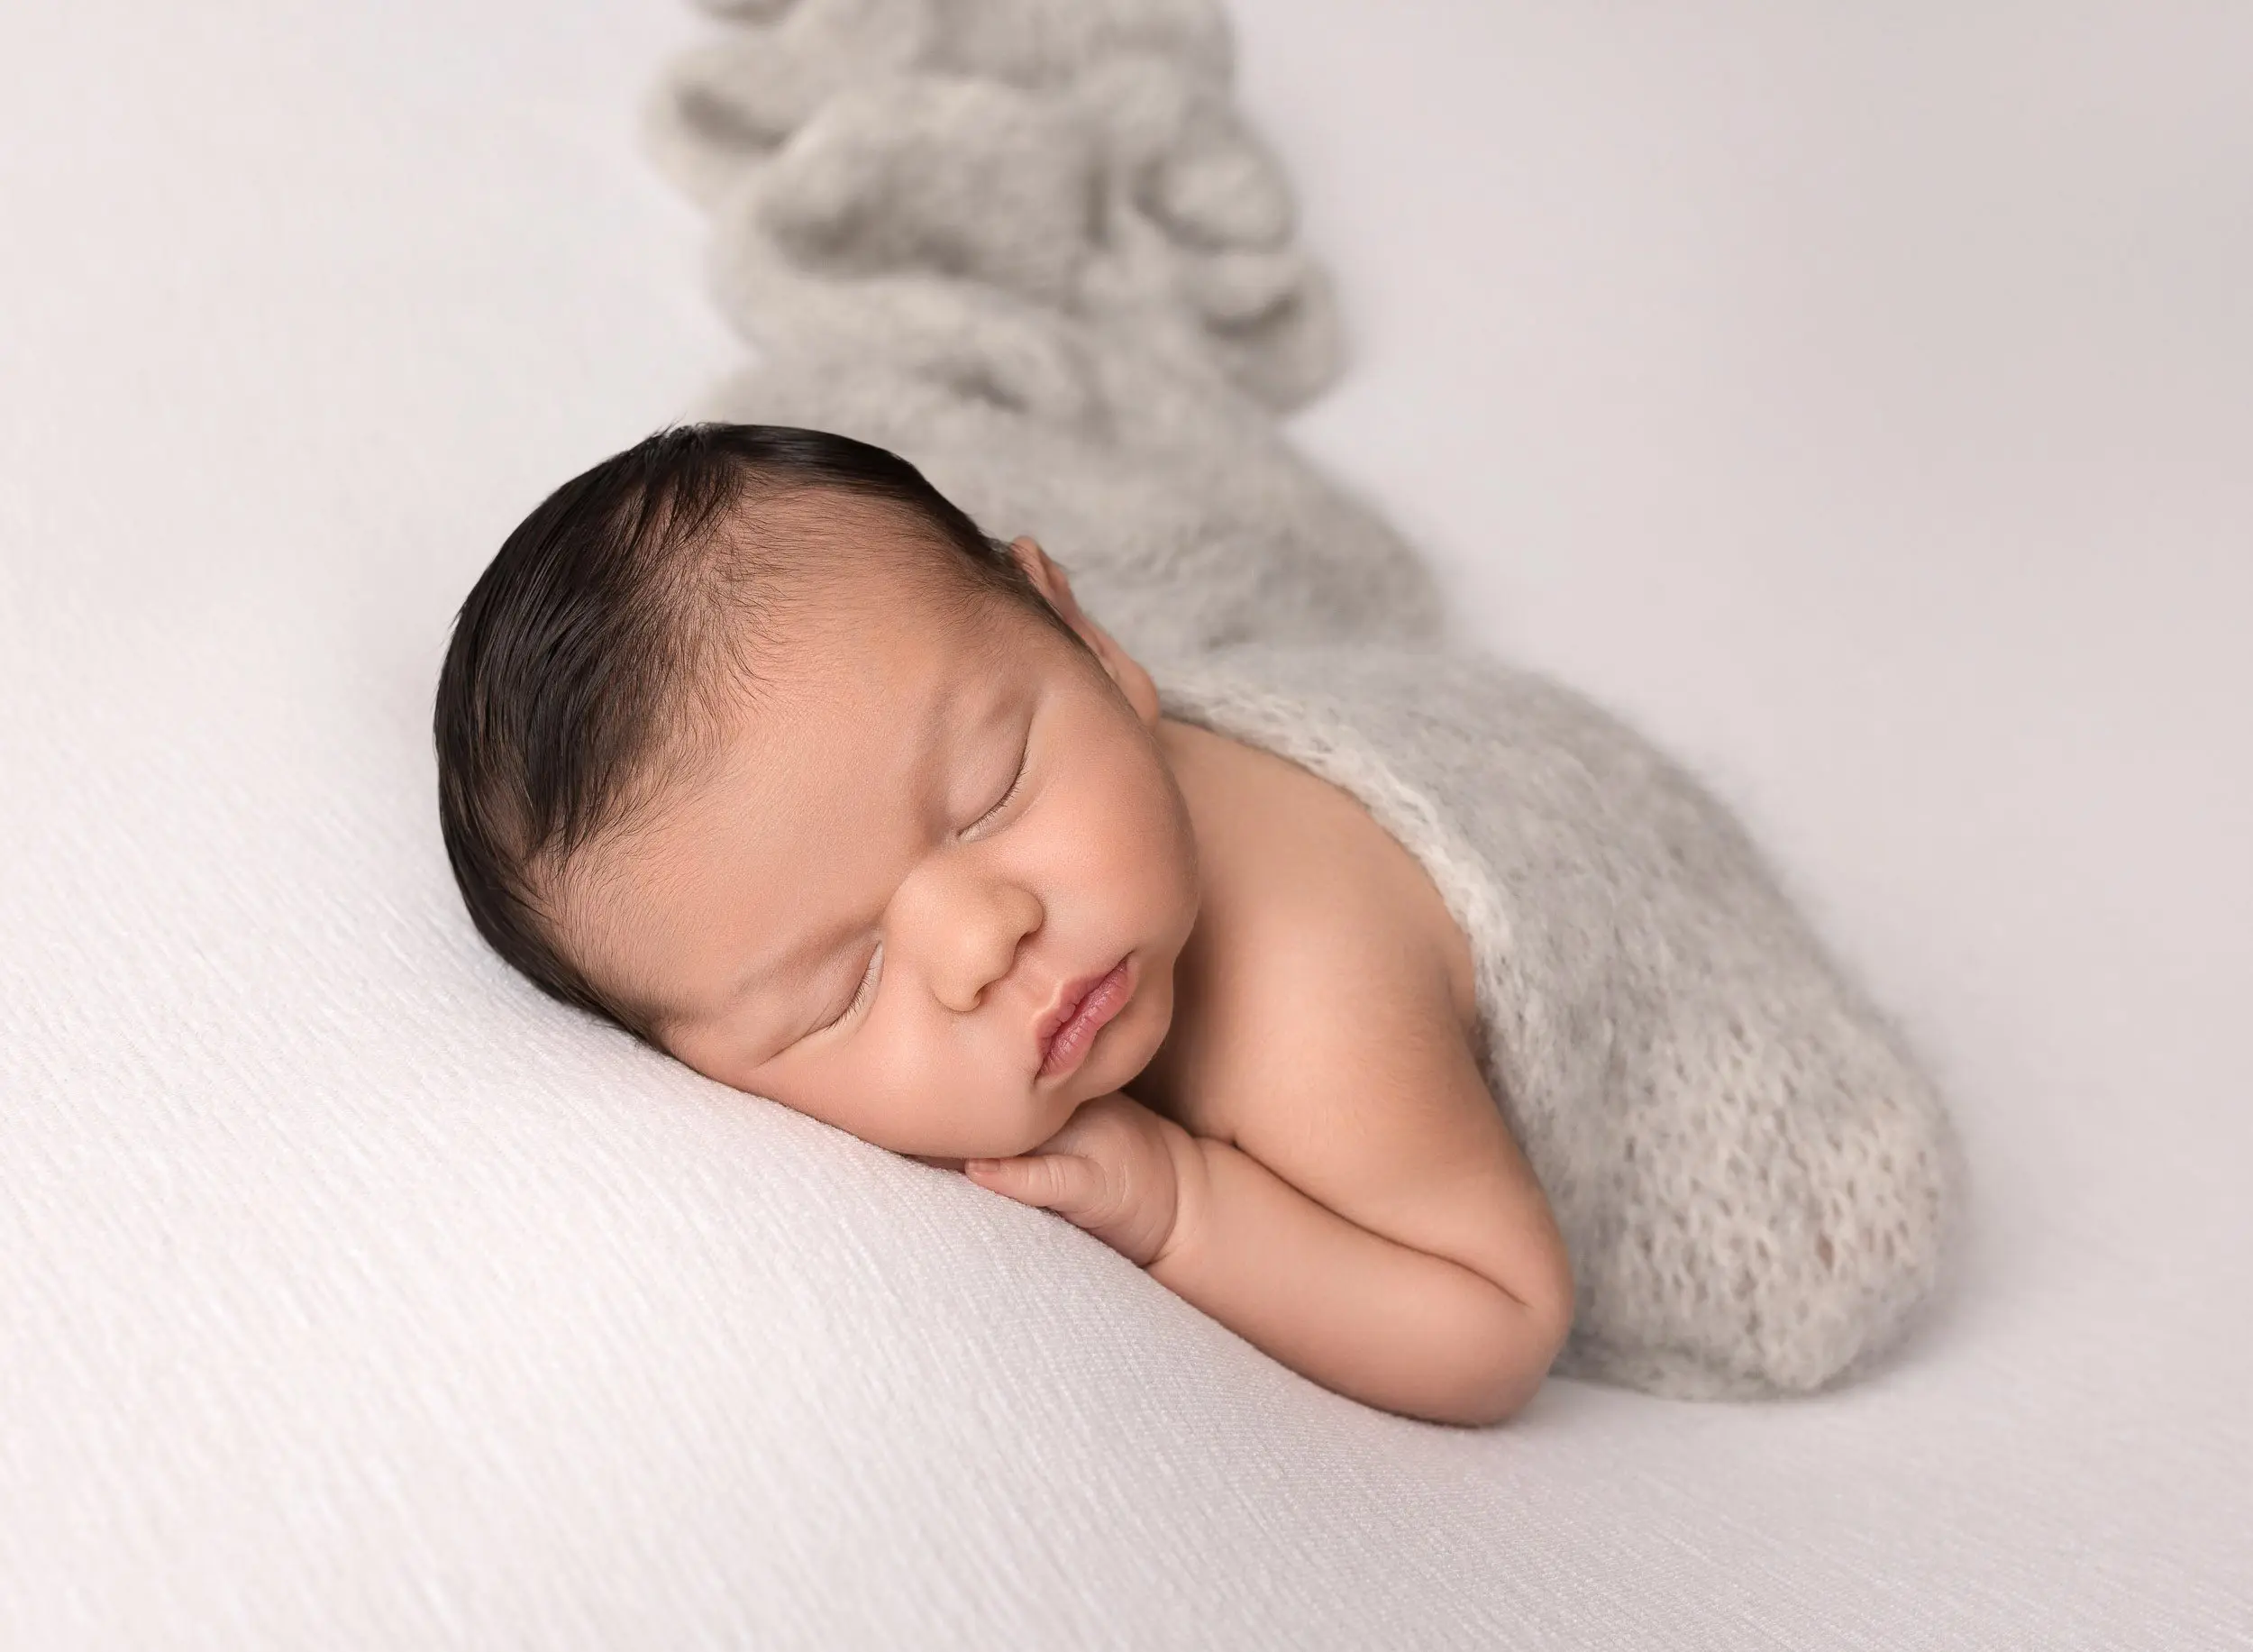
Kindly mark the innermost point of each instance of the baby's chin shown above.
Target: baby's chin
(1047, 1116)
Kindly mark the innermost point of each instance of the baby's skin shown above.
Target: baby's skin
(948, 881)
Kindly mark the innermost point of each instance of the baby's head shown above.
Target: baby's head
(751, 743)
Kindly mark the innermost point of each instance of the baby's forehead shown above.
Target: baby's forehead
(877, 655)
(848, 596)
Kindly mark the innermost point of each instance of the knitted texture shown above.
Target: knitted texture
(1029, 245)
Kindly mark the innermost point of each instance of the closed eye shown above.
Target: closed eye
(1017, 784)
(866, 990)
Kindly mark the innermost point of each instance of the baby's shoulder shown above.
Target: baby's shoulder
(1320, 940)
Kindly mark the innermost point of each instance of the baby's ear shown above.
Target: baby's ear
(1052, 583)
(1048, 576)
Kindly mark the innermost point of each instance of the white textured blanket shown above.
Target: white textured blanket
(1029, 245)
(354, 1295)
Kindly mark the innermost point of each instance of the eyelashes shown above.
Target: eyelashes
(866, 990)
(1017, 784)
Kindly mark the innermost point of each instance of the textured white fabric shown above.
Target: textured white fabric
(1860, 404)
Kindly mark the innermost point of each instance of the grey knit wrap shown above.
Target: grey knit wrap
(1031, 246)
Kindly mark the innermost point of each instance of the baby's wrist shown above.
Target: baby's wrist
(1192, 1192)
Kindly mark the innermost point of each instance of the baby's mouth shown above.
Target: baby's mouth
(1084, 1009)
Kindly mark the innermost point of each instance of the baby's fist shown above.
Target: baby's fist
(1110, 1170)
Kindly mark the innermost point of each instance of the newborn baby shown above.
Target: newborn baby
(753, 744)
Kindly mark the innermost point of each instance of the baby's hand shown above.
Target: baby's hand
(1110, 1170)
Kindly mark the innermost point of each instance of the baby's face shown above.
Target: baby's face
(922, 834)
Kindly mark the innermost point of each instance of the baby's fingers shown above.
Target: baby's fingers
(1063, 1183)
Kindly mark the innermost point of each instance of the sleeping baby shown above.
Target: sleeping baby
(1406, 1014)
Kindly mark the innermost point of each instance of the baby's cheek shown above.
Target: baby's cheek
(1167, 844)
(1074, 845)
(1147, 808)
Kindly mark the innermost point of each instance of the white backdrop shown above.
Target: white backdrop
(1864, 403)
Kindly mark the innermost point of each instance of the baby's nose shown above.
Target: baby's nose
(974, 937)
(984, 958)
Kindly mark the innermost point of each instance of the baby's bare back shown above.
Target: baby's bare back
(1310, 915)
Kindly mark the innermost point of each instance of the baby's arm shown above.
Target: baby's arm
(1374, 1225)
(1368, 1219)
(1364, 1315)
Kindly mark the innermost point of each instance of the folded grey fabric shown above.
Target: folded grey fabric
(1028, 245)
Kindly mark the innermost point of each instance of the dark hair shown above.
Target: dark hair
(623, 595)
